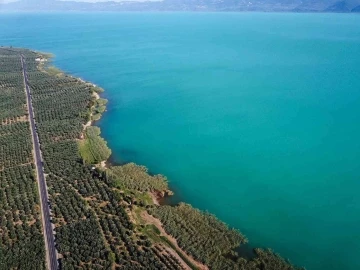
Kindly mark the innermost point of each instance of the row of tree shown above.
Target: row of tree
(16, 144)
(211, 242)
(12, 94)
(91, 207)
(21, 238)
(93, 227)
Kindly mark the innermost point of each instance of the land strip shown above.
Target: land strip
(97, 212)
(51, 257)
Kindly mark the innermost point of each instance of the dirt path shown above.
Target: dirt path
(174, 253)
(152, 220)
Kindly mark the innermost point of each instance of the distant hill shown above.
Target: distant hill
(356, 9)
(341, 6)
(314, 6)
(190, 5)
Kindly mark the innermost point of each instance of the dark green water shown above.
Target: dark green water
(254, 117)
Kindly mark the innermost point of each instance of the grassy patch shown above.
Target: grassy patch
(151, 231)
(93, 149)
(53, 71)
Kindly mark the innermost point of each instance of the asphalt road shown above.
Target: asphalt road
(50, 249)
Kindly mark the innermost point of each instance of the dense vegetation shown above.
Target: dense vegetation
(21, 238)
(101, 216)
(99, 106)
(135, 177)
(199, 234)
(92, 218)
(210, 241)
(93, 149)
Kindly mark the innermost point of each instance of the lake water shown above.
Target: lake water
(253, 117)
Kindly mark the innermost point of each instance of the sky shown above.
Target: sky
(90, 1)
(6, 1)
(94, 1)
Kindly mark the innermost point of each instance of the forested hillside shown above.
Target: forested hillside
(104, 217)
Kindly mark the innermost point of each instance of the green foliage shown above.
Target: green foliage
(100, 109)
(269, 261)
(21, 239)
(185, 259)
(135, 177)
(93, 149)
(89, 211)
(98, 89)
(15, 144)
(200, 234)
(210, 241)
(154, 229)
(83, 242)
(96, 116)
(111, 257)
(101, 102)
(12, 93)
(54, 71)
(93, 229)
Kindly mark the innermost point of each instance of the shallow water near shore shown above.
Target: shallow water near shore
(253, 117)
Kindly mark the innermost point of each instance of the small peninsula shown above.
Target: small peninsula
(103, 216)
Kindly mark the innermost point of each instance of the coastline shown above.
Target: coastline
(161, 198)
(158, 197)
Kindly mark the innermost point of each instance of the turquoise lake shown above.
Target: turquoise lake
(253, 117)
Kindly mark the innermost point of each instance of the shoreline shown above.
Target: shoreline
(159, 198)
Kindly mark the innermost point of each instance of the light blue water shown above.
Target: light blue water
(254, 117)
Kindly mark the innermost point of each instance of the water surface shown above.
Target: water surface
(254, 117)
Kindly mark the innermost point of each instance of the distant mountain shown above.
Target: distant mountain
(313, 6)
(341, 6)
(190, 5)
(356, 9)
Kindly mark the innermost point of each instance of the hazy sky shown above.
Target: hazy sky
(6, 1)
(91, 1)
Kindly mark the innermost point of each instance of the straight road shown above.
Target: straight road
(51, 257)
